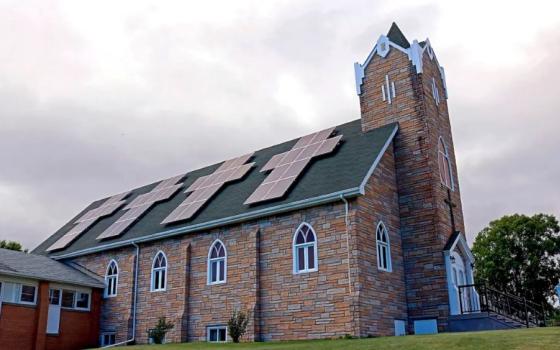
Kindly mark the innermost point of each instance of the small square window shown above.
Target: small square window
(27, 294)
(216, 334)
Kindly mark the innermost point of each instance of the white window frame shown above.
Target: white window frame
(102, 338)
(447, 159)
(295, 248)
(159, 269)
(114, 277)
(20, 290)
(217, 328)
(210, 261)
(380, 245)
(75, 299)
(16, 289)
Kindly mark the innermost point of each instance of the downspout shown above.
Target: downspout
(346, 220)
(135, 297)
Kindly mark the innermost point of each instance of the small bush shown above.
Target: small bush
(237, 325)
(158, 333)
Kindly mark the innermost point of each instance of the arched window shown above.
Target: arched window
(305, 249)
(383, 248)
(217, 263)
(159, 272)
(111, 279)
(444, 164)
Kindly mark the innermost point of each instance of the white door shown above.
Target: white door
(460, 280)
(53, 319)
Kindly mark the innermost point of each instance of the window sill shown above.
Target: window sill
(303, 272)
(215, 283)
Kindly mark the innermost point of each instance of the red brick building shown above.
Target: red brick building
(45, 304)
(357, 229)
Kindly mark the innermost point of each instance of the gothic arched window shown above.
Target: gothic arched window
(111, 279)
(305, 249)
(444, 164)
(159, 272)
(383, 248)
(217, 263)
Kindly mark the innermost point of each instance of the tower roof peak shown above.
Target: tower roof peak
(396, 36)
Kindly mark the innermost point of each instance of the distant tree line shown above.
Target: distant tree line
(12, 245)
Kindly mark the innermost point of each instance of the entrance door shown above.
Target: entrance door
(53, 319)
(459, 279)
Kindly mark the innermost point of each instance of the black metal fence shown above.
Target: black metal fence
(482, 298)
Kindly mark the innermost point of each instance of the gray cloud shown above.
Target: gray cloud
(91, 105)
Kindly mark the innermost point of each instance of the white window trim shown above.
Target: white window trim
(305, 245)
(164, 269)
(75, 301)
(16, 295)
(383, 244)
(102, 338)
(448, 160)
(116, 277)
(19, 290)
(217, 328)
(209, 264)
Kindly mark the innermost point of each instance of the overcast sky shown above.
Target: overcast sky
(98, 97)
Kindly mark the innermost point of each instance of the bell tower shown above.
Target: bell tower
(403, 82)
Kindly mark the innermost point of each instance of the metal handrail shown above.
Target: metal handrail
(482, 298)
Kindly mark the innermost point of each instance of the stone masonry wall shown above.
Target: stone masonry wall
(286, 306)
(382, 297)
(425, 219)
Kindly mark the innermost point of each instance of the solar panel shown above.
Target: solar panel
(89, 218)
(207, 186)
(287, 166)
(138, 207)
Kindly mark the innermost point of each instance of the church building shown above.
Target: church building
(355, 229)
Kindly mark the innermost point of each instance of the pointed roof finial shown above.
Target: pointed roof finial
(396, 36)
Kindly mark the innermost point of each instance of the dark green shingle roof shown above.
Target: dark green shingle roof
(396, 36)
(340, 171)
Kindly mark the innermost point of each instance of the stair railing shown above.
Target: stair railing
(482, 298)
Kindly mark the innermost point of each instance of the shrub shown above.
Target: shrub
(237, 325)
(158, 333)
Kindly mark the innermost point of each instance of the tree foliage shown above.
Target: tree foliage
(12, 245)
(519, 255)
(237, 325)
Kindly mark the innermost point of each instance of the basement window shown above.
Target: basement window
(216, 334)
(107, 338)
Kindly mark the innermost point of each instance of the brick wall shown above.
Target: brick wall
(382, 296)
(18, 326)
(286, 306)
(425, 220)
(23, 327)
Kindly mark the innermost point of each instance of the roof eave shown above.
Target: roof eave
(331, 197)
(56, 280)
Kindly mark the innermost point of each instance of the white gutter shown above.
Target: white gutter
(134, 303)
(331, 197)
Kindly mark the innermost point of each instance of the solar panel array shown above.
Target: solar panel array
(88, 219)
(207, 186)
(287, 166)
(164, 190)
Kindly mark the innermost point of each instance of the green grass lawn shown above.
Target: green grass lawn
(521, 339)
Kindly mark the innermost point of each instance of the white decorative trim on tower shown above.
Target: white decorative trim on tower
(415, 53)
